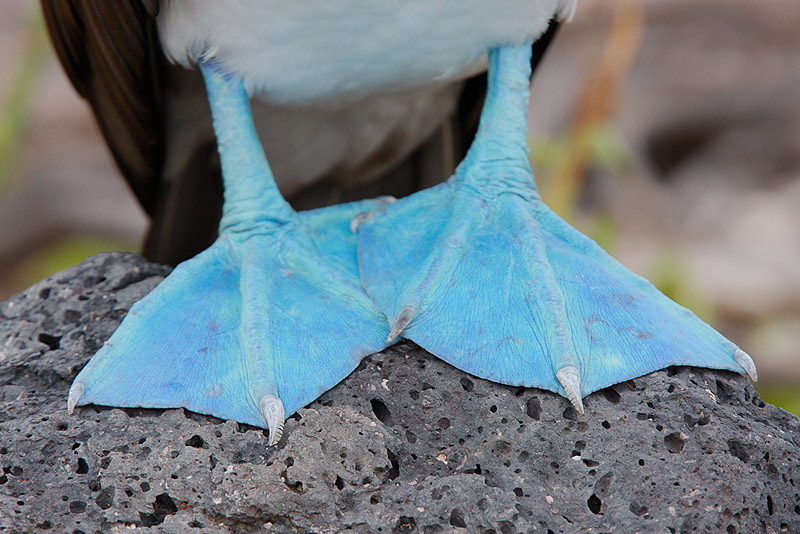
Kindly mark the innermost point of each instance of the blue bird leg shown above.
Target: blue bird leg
(481, 273)
(262, 322)
(251, 194)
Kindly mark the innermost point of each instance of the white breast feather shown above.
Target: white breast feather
(311, 50)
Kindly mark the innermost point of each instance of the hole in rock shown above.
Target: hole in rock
(457, 518)
(195, 441)
(82, 468)
(54, 342)
(380, 410)
(533, 407)
(594, 504)
(675, 442)
(394, 471)
(404, 525)
(612, 395)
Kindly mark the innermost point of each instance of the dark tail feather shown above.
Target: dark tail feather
(187, 213)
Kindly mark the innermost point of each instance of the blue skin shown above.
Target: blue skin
(477, 270)
(273, 308)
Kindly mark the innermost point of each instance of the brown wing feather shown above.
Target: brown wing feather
(111, 54)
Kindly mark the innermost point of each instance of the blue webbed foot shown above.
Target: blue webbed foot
(260, 324)
(252, 329)
(481, 273)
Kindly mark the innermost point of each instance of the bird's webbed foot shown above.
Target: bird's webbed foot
(260, 324)
(252, 329)
(480, 272)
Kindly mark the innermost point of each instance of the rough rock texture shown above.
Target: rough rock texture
(406, 444)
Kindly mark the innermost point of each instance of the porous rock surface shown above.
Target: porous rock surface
(406, 444)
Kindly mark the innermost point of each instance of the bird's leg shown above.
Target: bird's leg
(262, 322)
(482, 274)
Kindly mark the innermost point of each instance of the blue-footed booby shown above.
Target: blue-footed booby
(270, 306)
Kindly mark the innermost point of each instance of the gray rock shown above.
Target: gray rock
(406, 444)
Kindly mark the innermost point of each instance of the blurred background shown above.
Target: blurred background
(669, 131)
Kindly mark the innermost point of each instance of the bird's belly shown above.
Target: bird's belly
(311, 50)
